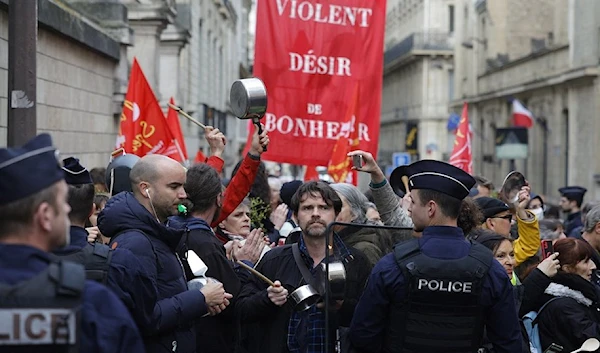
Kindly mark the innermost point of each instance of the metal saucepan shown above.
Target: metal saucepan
(248, 98)
(336, 278)
(511, 186)
(304, 297)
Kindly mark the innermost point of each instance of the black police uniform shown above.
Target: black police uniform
(437, 293)
(47, 305)
(573, 221)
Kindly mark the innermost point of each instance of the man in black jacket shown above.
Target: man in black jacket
(214, 334)
(315, 205)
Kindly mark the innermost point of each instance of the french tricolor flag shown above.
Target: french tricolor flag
(521, 116)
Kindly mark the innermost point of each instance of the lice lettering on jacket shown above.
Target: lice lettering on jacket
(444, 286)
(37, 326)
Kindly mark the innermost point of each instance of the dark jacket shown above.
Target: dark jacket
(573, 222)
(387, 285)
(106, 325)
(127, 278)
(214, 334)
(372, 242)
(132, 227)
(573, 318)
(272, 321)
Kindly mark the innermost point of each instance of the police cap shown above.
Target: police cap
(441, 177)
(573, 192)
(75, 173)
(27, 170)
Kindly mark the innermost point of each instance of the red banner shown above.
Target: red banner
(310, 55)
(143, 128)
(461, 156)
(176, 149)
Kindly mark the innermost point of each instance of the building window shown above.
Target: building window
(451, 18)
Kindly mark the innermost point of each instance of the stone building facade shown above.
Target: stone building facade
(418, 78)
(188, 49)
(75, 84)
(546, 54)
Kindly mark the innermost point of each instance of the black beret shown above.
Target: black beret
(29, 169)
(490, 206)
(441, 177)
(288, 190)
(75, 173)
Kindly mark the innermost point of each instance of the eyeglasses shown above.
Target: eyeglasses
(508, 216)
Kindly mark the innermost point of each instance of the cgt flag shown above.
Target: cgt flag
(461, 156)
(176, 149)
(143, 128)
(310, 54)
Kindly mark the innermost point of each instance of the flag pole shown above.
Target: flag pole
(180, 111)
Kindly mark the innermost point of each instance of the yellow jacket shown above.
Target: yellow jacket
(528, 242)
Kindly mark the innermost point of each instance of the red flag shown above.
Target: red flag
(521, 115)
(143, 128)
(310, 54)
(176, 149)
(339, 163)
(200, 157)
(461, 156)
(311, 173)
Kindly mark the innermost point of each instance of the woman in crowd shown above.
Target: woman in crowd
(572, 314)
(234, 230)
(374, 243)
(504, 253)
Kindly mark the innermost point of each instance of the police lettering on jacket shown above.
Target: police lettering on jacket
(434, 285)
(37, 326)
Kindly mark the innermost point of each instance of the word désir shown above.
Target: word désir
(325, 13)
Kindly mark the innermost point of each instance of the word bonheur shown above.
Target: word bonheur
(445, 286)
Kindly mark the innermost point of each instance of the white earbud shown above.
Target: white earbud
(148, 192)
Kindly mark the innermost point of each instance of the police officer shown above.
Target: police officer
(570, 202)
(45, 304)
(436, 293)
(119, 269)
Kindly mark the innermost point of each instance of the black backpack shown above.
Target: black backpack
(96, 259)
(43, 314)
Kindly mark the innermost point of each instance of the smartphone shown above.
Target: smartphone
(357, 160)
(547, 248)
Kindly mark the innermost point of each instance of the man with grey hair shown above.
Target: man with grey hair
(374, 243)
(591, 234)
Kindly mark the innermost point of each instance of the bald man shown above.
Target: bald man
(136, 221)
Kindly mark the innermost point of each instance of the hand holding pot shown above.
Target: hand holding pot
(259, 142)
(277, 294)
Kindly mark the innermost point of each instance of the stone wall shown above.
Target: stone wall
(74, 92)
